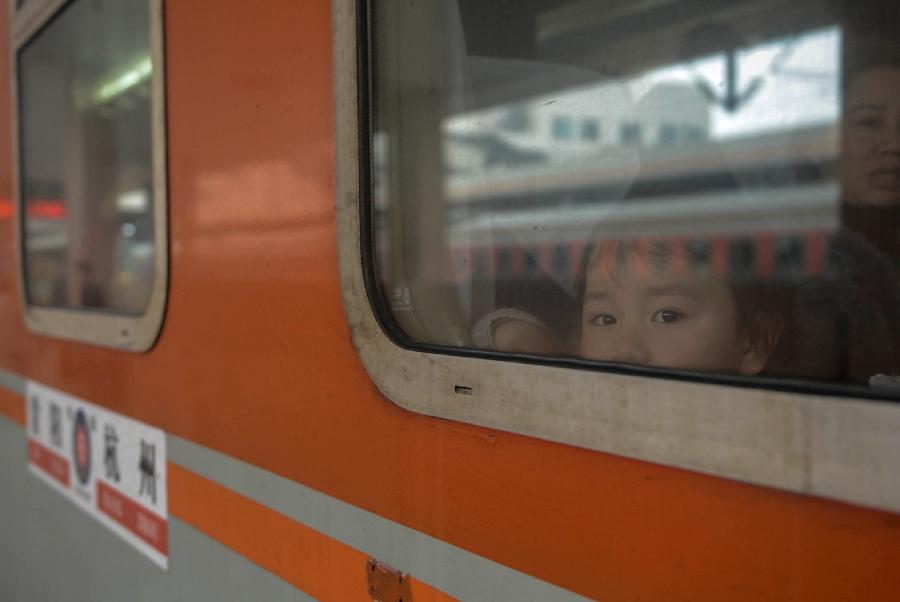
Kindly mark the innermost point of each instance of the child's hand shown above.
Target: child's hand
(522, 336)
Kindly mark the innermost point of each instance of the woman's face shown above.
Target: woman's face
(870, 158)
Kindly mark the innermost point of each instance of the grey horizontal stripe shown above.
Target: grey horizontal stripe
(444, 566)
(12, 381)
(51, 550)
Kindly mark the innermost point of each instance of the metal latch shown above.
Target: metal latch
(387, 584)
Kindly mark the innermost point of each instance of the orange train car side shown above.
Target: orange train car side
(255, 367)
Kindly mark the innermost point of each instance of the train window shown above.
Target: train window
(91, 186)
(728, 137)
(733, 240)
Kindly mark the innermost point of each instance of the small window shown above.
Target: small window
(630, 133)
(668, 134)
(590, 130)
(517, 120)
(692, 133)
(91, 197)
(562, 128)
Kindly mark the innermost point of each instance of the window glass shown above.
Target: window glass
(85, 146)
(742, 217)
(590, 129)
(562, 128)
(517, 119)
(668, 134)
(631, 133)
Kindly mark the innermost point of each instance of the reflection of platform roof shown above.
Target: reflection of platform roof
(787, 209)
(620, 167)
(496, 82)
(624, 37)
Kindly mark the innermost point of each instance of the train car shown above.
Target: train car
(254, 257)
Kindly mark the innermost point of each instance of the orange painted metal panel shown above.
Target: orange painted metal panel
(322, 567)
(12, 406)
(255, 360)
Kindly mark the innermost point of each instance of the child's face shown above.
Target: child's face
(642, 315)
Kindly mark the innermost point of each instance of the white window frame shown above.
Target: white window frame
(99, 327)
(822, 445)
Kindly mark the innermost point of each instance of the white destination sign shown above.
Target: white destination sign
(112, 467)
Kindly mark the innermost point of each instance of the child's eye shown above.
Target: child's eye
(602, 320)
(667, 316)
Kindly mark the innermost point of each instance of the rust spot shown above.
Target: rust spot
(387, 584)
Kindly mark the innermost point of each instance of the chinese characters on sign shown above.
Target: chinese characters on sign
(55, 426)
(110, 454)
(148, 470)
(111, 466)
(35, 416)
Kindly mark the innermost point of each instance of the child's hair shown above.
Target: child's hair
(762, 307)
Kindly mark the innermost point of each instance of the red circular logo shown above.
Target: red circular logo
(82, 447)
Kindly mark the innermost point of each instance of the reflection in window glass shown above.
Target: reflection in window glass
(517, 119)
(562, 128)
(590, 129)
(668, 134)
(86, 173)
(631, 133)
(742, 217)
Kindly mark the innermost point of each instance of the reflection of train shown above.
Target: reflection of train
(259, 432)
(761, 255)
(774, 160)
(761, 206)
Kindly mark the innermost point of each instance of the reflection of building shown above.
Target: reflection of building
(574, 124)
(672, 114)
